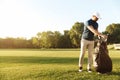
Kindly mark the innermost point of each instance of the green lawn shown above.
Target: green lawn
(59, 64)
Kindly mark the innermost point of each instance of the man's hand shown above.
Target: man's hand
(104, 36)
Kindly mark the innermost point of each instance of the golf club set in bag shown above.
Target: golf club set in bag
(102, 60)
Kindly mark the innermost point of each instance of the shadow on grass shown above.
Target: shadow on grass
(38, 60)
(45, 60)
(43, 49)
(115, 73)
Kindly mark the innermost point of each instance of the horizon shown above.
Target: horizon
(25, 18)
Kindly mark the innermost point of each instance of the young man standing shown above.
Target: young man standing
(87, 40)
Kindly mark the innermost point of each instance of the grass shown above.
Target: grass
(59, 64)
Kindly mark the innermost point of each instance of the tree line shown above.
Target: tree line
(69, 39)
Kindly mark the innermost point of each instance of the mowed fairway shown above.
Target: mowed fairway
(58, 64)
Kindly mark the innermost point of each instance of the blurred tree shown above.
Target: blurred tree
(76, 33)
(47, 39)
(65, 40)
(57, 36)
(35, 42)
(114, 33)
(15, 43)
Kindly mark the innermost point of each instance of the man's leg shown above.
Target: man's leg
(83, 48)
(90, 54)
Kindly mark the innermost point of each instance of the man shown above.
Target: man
(87, 40)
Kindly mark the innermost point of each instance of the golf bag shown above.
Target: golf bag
(103, 63)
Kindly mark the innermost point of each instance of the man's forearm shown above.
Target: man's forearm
(94, 31)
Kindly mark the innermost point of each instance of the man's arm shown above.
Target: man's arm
(95, 31)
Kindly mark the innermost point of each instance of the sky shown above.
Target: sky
(25, 18)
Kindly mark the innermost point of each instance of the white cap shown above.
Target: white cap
(97, 15)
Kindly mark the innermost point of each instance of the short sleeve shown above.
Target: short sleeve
(88, 23)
